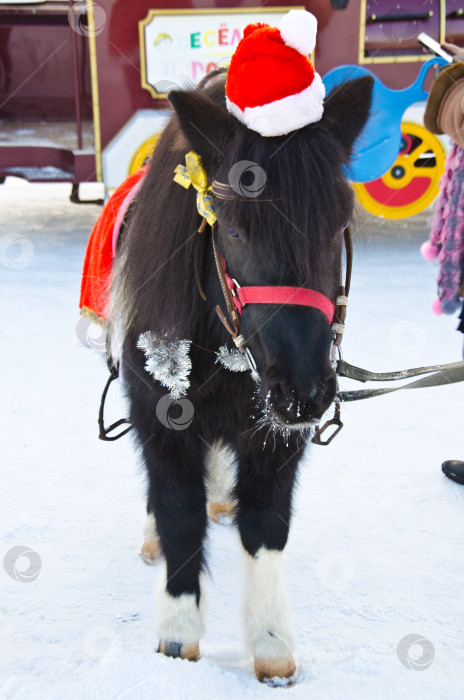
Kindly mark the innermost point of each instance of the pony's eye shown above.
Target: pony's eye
(233, 233)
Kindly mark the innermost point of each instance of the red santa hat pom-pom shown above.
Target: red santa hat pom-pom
(429, 251)
(298, 29)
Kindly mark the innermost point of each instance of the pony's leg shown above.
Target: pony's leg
(178, 496)
(264, 492)
(174, 458)
(220, 478)
(150, 551)
(268, 634)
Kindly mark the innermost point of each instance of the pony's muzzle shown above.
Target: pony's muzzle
(292, 403)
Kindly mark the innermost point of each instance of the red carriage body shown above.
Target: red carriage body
(76, 103)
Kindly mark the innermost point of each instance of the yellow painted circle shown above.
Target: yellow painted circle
(397, 184)
(142, 153)
(413, 180)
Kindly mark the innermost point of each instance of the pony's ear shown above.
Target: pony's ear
(206, 126)
(346, 110)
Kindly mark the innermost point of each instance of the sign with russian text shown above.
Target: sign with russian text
(178, 48)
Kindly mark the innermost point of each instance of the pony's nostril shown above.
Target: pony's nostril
(276, 383)
(324, 394)
(281, 396)
(312, 400)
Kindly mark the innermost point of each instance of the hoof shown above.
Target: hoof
(177, 650)
(222, 513)
(282, 668)
(150, 551)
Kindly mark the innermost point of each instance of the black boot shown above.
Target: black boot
(454, 469)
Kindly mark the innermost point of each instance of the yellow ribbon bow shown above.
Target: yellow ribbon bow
(193, 173)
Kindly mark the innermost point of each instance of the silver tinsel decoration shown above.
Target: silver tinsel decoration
(234, 360)
(168, 361)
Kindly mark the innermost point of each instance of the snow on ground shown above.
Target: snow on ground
(376, 548)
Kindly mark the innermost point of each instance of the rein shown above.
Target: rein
(449, 373)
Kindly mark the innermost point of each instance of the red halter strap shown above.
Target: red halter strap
(279, 295)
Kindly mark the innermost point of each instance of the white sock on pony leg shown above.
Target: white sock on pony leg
(150, 548)
(179, 621)
(149, 531)
(266, 614)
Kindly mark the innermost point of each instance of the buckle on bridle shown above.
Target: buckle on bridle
(236, 285)
(252, 364)
(233, 285)
(240, 343)
(335, 354)
(336, 421)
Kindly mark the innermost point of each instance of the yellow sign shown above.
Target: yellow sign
(179, 47)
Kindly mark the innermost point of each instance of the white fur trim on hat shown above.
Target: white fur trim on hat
(298, 29)
(287, 114)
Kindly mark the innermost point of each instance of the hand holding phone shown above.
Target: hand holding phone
(456, 51)
(433, 46)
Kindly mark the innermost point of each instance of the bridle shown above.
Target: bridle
(237, 297)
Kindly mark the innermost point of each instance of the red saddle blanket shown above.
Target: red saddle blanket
(101, 250)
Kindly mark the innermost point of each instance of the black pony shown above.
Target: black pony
(291, 234)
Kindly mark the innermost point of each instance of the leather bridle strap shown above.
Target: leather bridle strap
(341, 303)
(228, 296)
(349, 258)
(234, 330)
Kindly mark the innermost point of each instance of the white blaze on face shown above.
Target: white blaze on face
(265, 605)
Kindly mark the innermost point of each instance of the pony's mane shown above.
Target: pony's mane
(154, 278)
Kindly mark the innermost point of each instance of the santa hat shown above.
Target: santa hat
(272, 86)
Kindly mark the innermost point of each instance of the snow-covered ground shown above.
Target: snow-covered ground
(376, 547)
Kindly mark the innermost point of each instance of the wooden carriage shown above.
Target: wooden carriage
(83, 84)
